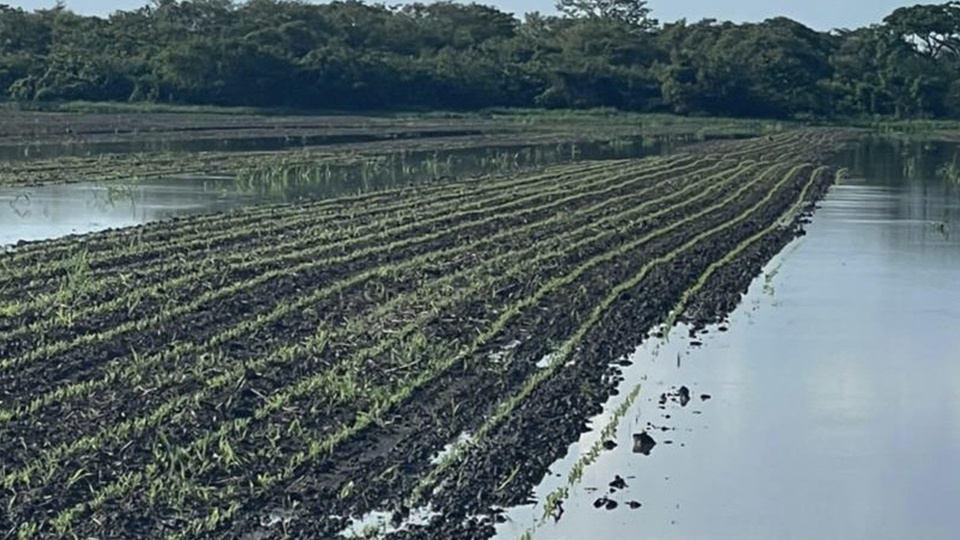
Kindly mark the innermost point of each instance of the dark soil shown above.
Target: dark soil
(385, 463)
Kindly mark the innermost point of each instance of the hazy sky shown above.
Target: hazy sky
(819, 14)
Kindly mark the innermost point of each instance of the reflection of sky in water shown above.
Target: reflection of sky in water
(36, 213)
(44, 212)
(836, 394)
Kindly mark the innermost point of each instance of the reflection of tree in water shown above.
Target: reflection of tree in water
(923, 178)
(895, 162)
(951, 171)
(110, 196)
(20, 204)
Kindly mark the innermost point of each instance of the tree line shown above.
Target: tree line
(593, 53)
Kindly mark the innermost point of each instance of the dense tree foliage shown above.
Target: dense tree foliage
(352, 55)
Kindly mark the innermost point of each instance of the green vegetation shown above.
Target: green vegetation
(324, 156)
(214, 367)
(280, 54)
(609, 430)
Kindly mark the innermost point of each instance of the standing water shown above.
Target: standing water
(829, 407)
(52, 211)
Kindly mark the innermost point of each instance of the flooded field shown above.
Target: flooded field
(51, 211)
(828, 406)
(458, 358)
(291, 368)
(25, 152)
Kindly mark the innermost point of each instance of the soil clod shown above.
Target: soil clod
(600, 503)
(684, 395)
(618, 482)
(643, 443)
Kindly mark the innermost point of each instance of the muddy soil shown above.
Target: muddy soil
(174, 253)
(385, 463)
(503, 470)
(352, 302)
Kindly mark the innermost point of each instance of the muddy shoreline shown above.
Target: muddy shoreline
(539, 434)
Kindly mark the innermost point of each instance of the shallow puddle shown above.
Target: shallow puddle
(377, 524)
(830, 408)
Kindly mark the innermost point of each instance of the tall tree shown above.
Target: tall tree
(348, 54)
(634, 13)
(933, 30)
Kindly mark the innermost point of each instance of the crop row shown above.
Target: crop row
(589, 224)
(218, 296)
(312, 237)
(267, 164)
(322, 440)
(480, 446)
(269, 220)
(66, 278)
(209, 423)
(63, 248)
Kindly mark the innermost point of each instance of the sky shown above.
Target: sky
(817, 14)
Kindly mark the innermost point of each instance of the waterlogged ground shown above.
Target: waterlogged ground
(832, 403)
(52, 211)
(59, 210)
(825, 407)
(299, 365)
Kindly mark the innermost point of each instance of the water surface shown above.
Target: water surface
(834, 407)
(58, 210)
(43, 150)
(51, 211)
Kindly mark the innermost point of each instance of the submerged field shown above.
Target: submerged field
(53, 148)
(275, 371)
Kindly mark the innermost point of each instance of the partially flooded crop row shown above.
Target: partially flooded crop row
(266, 152)
(199, 378)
